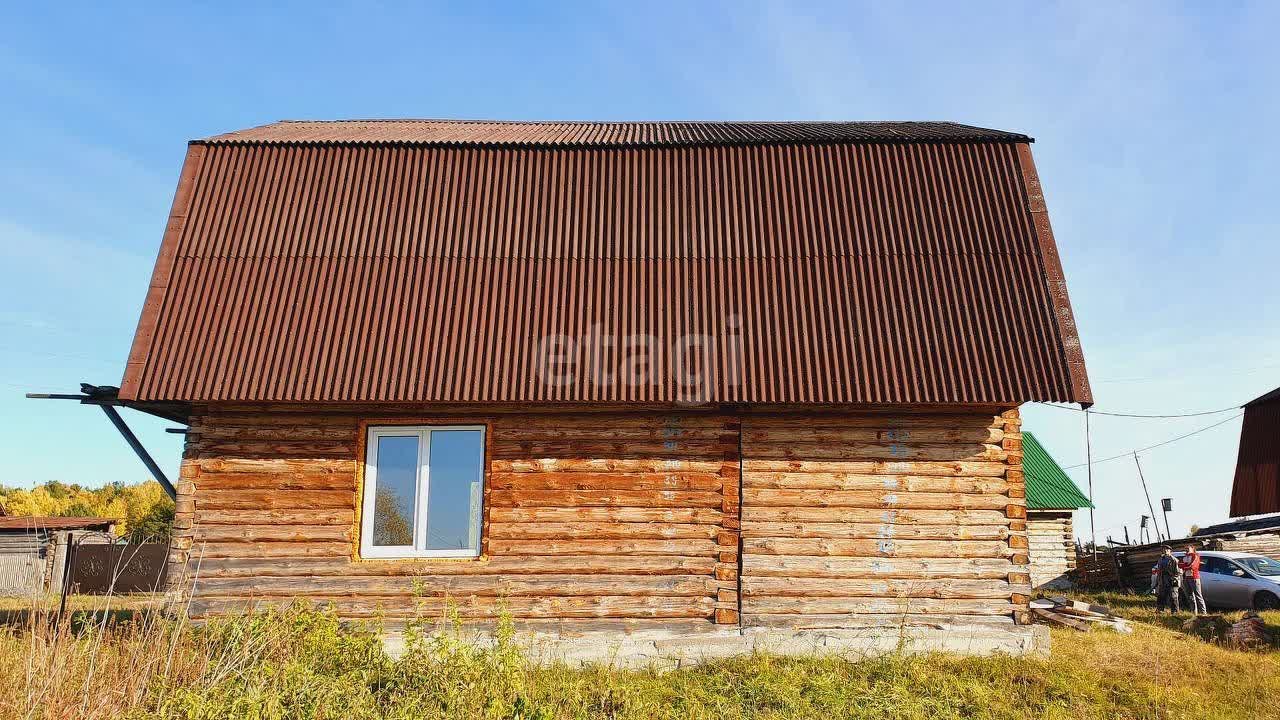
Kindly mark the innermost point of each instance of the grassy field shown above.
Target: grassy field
(304, 664)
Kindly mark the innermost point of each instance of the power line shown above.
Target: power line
(1143, 415)
(1127, 453)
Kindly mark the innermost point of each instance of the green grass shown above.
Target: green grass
(303, 663)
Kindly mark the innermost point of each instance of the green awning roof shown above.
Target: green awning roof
(1048, 487)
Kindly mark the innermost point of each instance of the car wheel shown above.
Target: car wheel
(1266, 601)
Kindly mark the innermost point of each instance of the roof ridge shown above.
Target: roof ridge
(606, 133)
(505, 121)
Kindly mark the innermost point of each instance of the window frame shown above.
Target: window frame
(422, 490)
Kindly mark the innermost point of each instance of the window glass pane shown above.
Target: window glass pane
(454, 490)
(1262, 565)
(395, 490)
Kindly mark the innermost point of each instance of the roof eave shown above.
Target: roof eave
(161, 274)
(1056, 280)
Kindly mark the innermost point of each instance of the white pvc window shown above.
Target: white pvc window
(423, 491)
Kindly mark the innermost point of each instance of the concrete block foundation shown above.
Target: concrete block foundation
(646, 649)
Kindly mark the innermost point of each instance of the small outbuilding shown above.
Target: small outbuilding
(1052, 499)
(33, 550)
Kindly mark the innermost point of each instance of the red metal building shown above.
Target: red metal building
(1256, 490)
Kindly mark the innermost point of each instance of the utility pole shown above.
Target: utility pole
(1088, 459)
(1144, 492)
(1126, 534)
(1143, 535)
(1166, 504)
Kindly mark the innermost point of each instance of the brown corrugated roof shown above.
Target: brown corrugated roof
(916, 271)
(606, 134)
(1256, 490)
(28, 522)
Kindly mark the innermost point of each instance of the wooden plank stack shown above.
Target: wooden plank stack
(1097, 571)
(1076, 615)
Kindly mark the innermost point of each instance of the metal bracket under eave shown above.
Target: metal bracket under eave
(105, 397)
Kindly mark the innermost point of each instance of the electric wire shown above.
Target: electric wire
(1143, 415)
(1128, 453)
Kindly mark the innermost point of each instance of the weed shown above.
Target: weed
(303, 662)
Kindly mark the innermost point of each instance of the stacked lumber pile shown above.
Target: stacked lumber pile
(1263, 542)
(1097, 571)
(1076, 615)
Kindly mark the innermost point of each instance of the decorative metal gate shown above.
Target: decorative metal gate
(102, 569)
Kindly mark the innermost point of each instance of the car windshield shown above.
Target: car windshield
(1261, 565)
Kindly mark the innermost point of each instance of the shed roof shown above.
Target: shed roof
(37, 522)
(1048, 486)
(436, 261)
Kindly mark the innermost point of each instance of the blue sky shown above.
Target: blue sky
(1156, 142)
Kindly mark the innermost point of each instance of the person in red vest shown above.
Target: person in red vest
(1190, 564)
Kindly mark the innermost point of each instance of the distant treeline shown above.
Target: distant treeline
(143, 510)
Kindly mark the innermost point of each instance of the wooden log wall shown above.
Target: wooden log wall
(852, 520)
(1052, 546)
(628, 517)
(636, 518)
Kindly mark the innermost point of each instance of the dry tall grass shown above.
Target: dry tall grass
(303, 663)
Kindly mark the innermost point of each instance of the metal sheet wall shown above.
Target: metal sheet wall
(1256, 490)
(22, 562)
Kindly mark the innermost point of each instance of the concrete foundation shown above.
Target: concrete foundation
(672, 650)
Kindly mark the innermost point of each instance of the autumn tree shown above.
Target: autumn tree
(142, 511)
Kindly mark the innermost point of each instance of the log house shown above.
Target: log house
(688, 377)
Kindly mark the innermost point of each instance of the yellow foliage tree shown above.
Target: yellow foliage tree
(141, 511)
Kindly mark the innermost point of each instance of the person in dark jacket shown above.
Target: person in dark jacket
(1168, 582)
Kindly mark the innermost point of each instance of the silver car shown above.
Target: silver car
(1239, 580)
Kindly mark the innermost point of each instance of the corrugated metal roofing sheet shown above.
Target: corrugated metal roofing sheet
(597, 134)
(833, 273)
(1256, 489)
(34, 523)
(1048, 487)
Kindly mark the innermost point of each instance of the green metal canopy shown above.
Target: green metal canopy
(1048, 487)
